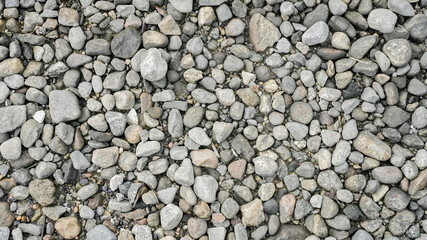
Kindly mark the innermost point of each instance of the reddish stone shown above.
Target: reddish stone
(287, 205)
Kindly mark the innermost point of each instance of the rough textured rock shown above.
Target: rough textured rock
(262, 33)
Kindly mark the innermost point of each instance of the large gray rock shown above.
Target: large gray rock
(419, 117)
(205, 188)
(396, 199)
(382, 20)
(184, 174)
(316, 34)
(395, 116)
(12, 117)
(184, 6)
(170, 216)
(401, 7)
(401, 222)
(416, 27)
(291, 232)
(126, 43)
(399, 52)
(105, 157)
(11, 148)
(101, 232)
(265, 166)
(64, 106)
(362, 46)
(387, 174)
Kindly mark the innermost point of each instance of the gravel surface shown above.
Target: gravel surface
(213, 119)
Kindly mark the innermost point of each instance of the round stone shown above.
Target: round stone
(399, 52)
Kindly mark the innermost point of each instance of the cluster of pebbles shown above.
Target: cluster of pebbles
(213, 119)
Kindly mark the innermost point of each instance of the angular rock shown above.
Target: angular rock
(170, 216)
(64, 106)
(204, 158)
(252, 213)
(262, 33)
(205, 188)
(126, 43)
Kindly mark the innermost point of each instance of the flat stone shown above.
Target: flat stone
(301, 112)
(248, 96)
(395, 116)
(204, 158)
(252, 213)
(199, 136)
(11, 148)
(105, 157)
(101, 232)
(184, 6)
(291, 232)
(233, 64)
(286, 206)
(12, 117)
(168, 26)
(419, 183)
(401, 222)
(265, 166)
(372, 146)
(396, 199)
(362, 46)
(97, 46)
(329, 180)
(147, 148)
(316, 225)
(68, 17)
(68, 227)
(221, 130)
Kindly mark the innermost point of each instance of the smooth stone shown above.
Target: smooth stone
(372, 146)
